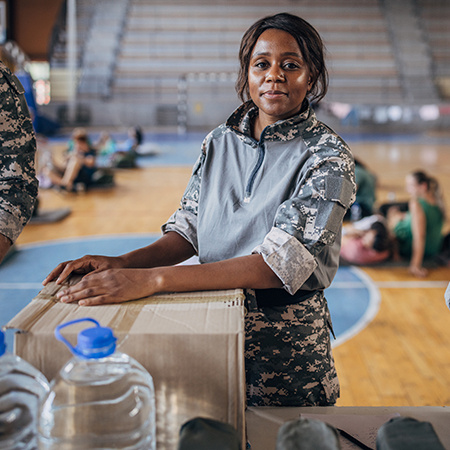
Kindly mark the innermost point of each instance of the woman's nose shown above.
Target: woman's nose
(275, 75)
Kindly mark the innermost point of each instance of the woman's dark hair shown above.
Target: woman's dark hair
(432, 186)
(382, 241)
(81, 138)
(309, 42)
(138, 135)
(421, 177)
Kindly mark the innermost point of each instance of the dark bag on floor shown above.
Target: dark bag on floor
(103, 178)
(207, 434)
(406, 433)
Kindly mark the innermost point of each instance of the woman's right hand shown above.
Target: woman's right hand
(84, 265)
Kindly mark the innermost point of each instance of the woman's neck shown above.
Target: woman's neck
(428, 197)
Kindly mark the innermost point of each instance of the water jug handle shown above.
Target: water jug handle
(60, 337)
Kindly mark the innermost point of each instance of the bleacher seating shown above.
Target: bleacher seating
(164, 41)
(435, 15)
(159, 54)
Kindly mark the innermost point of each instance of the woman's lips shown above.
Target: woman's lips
(274, 94)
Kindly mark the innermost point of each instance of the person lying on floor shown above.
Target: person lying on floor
(367, 242)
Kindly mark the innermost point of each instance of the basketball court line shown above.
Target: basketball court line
(371, 311)
(411, 284)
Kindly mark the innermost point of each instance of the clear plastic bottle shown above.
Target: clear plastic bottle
(21, 388)
(101, 398)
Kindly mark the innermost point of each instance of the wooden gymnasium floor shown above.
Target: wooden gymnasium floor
(401, 358)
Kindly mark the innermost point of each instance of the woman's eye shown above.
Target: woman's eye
(291, 65)
(261, 65)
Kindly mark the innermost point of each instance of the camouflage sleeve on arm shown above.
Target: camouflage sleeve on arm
(18, 183)
(184, 220)
(310, 219)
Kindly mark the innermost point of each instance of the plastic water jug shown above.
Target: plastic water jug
(21, 388)
(101, 398)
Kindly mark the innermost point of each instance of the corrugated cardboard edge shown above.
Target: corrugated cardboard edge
(46, 299)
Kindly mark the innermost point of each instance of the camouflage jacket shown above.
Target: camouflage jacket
(18, 183)
(283, 197)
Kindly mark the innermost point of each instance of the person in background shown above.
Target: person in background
(18, 182)
(126, 153)
(105, 145)
(76, 132)
(366, 185)
(419, 230)
(79, 167)
(263, 211)
(134, 140)
(367, 241)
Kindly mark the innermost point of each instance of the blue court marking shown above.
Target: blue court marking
(353, 300)
(170, 149)
(352, 297)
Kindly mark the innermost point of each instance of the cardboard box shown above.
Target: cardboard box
(192, 344)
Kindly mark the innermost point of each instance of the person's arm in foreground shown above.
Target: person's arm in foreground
(419, 225)
(116, 280)
(18, 183)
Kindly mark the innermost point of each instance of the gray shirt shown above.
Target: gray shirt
(283, 197)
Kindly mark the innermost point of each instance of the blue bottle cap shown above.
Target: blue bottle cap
(2, 343)
(93, 343)
(96, 342)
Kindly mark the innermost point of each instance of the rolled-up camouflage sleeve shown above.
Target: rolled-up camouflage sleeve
(18, 183)
(184, 220)
(311, 219)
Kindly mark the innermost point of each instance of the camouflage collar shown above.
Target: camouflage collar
(241, 119)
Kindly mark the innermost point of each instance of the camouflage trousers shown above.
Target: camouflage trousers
(288, 359)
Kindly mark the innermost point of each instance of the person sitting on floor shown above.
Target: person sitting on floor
(126, 153)
(366, 184)
(79, 168)
(105, 145)
(419, 230)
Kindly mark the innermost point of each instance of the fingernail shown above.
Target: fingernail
(81, 303)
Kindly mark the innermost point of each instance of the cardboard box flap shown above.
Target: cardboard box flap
(27, 317)
(131, 317)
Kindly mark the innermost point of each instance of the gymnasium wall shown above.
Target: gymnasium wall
(153, 70)
(32, 24)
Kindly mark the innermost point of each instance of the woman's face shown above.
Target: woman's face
(413, 188)
(278, 77)
(81, 146)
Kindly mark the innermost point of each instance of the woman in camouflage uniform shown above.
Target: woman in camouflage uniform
(263, 210)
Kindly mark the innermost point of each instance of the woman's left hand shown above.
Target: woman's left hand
(110, 286)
